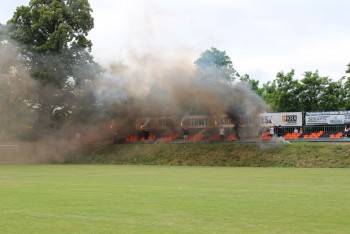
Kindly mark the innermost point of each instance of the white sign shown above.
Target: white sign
(283, 119)
(347, 117)
(330, 117)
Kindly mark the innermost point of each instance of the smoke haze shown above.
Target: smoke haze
(155, 86)
(151, 85)
(18, 91)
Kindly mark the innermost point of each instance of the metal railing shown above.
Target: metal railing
(326, 130)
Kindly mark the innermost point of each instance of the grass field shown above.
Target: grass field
(172, 199)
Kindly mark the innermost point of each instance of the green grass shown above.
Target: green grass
(297, 154)
(169, 199)
(228, 154)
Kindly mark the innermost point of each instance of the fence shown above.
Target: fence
(327, 129)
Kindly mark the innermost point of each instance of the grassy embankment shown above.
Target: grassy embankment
(298, 154)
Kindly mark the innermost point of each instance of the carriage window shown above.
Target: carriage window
(226, 121)
(247, 120)
(166, 122)
(199, 121)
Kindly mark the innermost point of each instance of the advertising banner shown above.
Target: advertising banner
(327, 118)
(347, 117)
(283, 119)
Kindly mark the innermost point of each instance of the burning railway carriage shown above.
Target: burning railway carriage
(200, 127)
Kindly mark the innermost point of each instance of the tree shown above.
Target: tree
(254, 83)
(54, 32)
(348, 69)
(283, 93)
(54, 45)
(289, 91)
(216, 63)
(312, 90)
(312, 93)
(53, 26)
(346, 89)
(333, 97)
(18, 93)
(268, 93)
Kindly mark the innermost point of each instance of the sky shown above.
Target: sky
(262, 38)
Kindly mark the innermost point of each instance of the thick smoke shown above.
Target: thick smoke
(144, 87)
(19, 113)
(153, 86)
(18, 92)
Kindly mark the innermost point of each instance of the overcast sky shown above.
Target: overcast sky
(261, 37)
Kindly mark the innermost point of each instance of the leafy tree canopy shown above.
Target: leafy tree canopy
(254, 83)
(52, 36)
(217, 63)
(53, 25)
(52, 41)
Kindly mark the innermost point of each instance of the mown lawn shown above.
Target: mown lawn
(173, 199)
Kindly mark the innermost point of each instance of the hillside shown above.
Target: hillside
(297, 154)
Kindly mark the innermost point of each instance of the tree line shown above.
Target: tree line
(286, 93)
